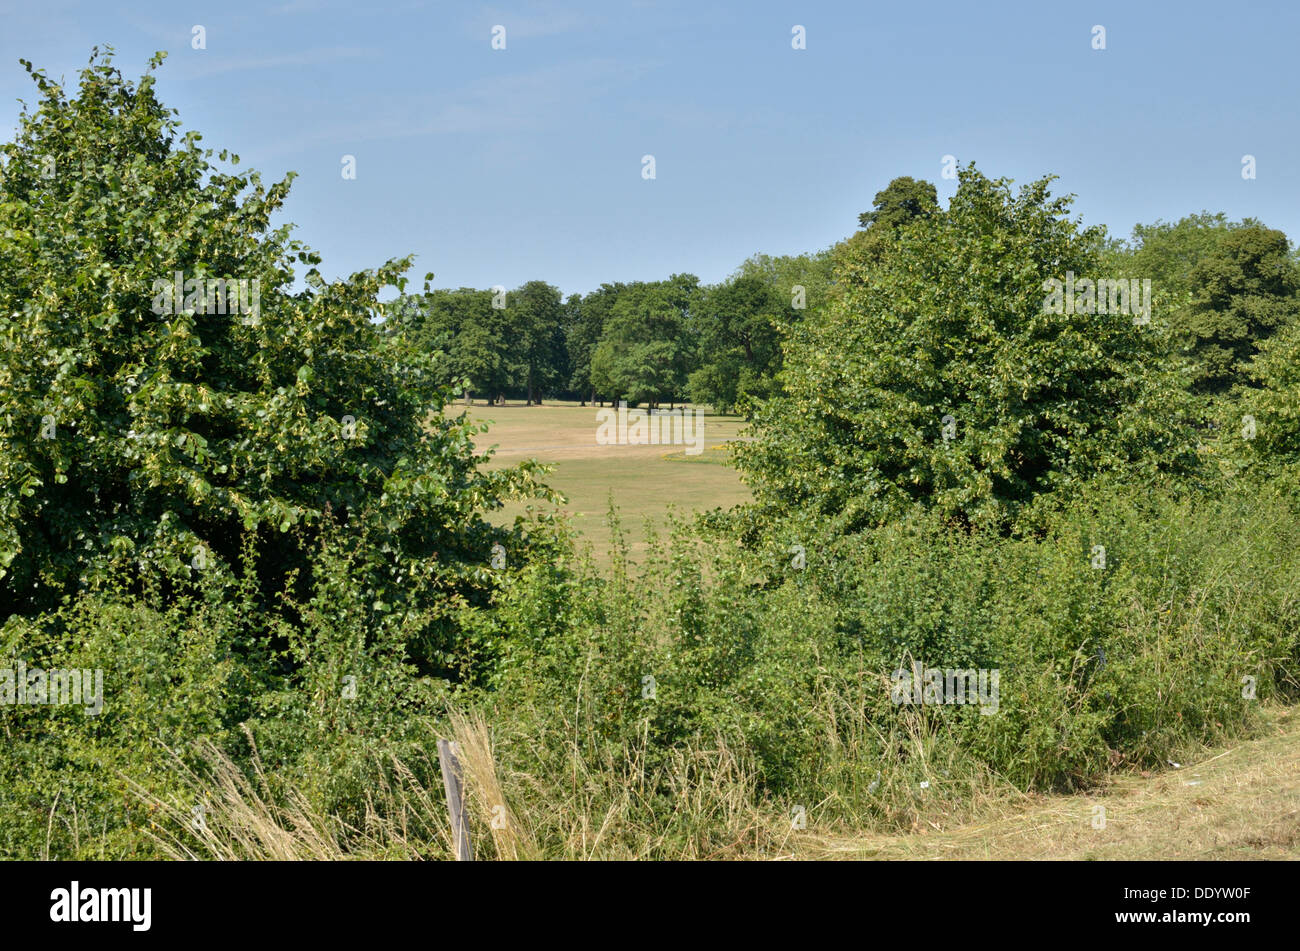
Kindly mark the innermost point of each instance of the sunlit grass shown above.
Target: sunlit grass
(643, 481)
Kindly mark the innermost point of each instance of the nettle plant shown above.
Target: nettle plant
(161, 430)
(939, 378)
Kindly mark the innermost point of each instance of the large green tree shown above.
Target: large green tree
(535, 331)
(163, 431)
(1167, 252)
(803, 281)
(646, 350)
(940, 376)
(1224, 287)
(471, 335)
(739, 345)
(587, 316)
(1243, 291)
(902, 200)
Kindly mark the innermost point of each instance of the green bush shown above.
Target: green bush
(789, 669)
(172, 673)
(324, 705)
(159, 430)
(938, 378)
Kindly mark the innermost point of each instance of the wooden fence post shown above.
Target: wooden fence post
(451, 781)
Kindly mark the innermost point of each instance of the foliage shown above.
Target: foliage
(1224, 287)
(783, 669)
(146, 429)
(471, 334)
(1244, 291)
(583, 329)
(738, 332)
(173, 671)
(784, 273)
(1168, 252)
(536, 327)
(939, 377)
(903, 200)
(1260, 431)
(645, 352)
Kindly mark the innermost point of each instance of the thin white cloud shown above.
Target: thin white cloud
(202, 67)
(514, 103)
(542, 19)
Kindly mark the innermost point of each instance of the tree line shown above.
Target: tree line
(1221, 287)
(647, 342)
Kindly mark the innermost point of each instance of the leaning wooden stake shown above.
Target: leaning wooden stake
(451, 781)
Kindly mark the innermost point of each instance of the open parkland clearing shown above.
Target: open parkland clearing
(643, 482)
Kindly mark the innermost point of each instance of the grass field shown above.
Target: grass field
(643, 481)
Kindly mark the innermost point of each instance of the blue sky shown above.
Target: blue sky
(501, 166)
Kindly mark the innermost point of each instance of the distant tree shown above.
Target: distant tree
(739, 344)
(802, 282)
(1223, 287)
(645, 352)
(1167, 253)
(902, 200)
(585, 324)
(535, 337)
(470, 334)
(1243, 291)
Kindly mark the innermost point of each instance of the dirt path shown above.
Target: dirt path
(1240, 803)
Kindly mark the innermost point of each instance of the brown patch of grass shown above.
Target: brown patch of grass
(642, 481)
(486, 798)
(247, 817)
(1239, 803)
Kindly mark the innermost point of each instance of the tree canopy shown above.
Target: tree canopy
(938, 377)
(645, 352)
(1225, 286)
(902, 200)
(169, 397)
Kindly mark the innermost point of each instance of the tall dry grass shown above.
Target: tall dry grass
(577, 802)
(248, 815)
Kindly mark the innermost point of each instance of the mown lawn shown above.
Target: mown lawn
(1236, 803)
(643, 481)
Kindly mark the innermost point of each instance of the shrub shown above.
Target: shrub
(938, 377)
(172, 674)
(158, 429)
(786, 672)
